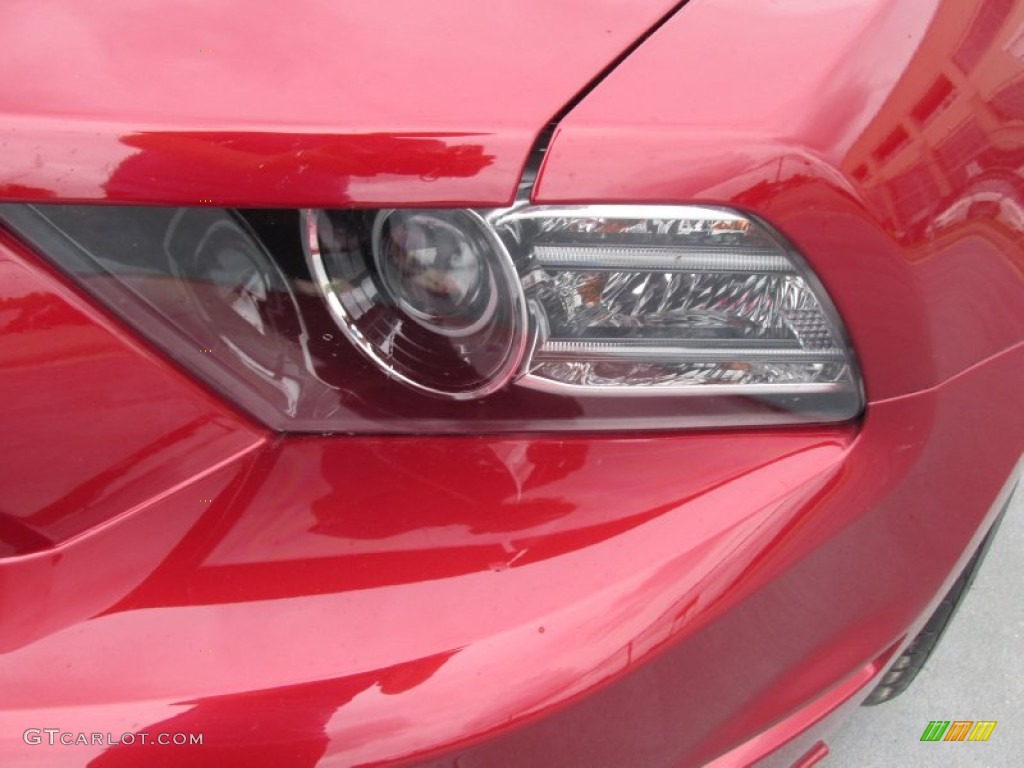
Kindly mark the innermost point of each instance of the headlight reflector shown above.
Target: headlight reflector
(671, 300)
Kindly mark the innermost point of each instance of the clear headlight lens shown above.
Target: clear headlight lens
(527, 318)
(671, 300)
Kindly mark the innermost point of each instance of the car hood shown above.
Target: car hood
(310, 102)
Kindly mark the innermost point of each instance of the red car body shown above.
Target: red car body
(664, 599)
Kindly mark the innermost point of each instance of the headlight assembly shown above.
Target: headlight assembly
(590, 317)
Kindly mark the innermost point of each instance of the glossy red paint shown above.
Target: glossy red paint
(658, 600)
(596, 554)
(309, 103)
(95, 425)
(449, 596)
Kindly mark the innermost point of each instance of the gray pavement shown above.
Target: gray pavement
(976, 673)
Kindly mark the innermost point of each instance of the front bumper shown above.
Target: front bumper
(504, 601)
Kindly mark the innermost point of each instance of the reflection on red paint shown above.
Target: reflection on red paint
(282, 726)
(308, 104)
(341, 166)
(62, 363)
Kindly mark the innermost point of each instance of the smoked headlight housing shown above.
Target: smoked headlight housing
(589, 317)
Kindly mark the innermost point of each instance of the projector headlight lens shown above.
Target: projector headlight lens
(431, 296)
(436, 267)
